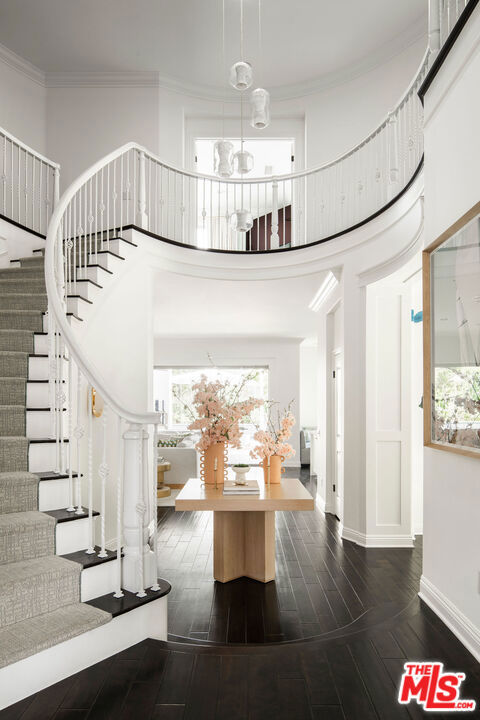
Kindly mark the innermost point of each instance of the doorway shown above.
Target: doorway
(337, 428)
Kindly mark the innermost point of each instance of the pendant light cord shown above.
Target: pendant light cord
(223, 68)
(241, 30)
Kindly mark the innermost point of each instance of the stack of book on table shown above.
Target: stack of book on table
(250, 488)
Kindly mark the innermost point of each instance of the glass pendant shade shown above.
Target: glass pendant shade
(243, 162)
(241, 221)
(241, 75)
(260, 101)
(223, 158)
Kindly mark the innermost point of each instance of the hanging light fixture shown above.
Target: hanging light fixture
(241, 75)
(260, 98)
(241, 220)
(260, 102)
(223, 158)
(223, 149)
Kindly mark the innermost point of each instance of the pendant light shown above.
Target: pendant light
(223, 149)
(260, 98)
(260, 102)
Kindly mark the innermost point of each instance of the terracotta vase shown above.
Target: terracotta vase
(276, 469)
(218, 452)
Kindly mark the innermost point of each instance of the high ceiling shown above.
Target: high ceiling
(304, 41)
(198, 306)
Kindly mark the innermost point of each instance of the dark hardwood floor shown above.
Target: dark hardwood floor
(326, 641)
(322, 583)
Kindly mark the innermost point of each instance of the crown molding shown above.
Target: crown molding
(8, 57)
(145, 79)
(154, 79)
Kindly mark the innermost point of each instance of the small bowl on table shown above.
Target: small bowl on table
(240, 473)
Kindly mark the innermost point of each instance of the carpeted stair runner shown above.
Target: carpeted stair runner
(18, 492)
(16, 341)
(13, 454)
(21, 320)
(12, 420)
(43, 631)
(39, 591)
(33, 587)
(13, 391)
(13, 364)
(26, 535)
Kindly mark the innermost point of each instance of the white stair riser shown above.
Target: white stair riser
(109, 262)
(53, 494)
(39, 424)
(72, 536)
(78, 307)
(86, 290)
(42, 456)
(38, 395)
(97, 274)
(40, 345)
(98, 580)
(38, 368)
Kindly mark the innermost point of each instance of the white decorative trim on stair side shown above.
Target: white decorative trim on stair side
(459, 624)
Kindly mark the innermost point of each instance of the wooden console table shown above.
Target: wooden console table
(244, 525)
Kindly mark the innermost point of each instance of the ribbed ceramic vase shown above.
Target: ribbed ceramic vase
(218, 452)
(276, 469)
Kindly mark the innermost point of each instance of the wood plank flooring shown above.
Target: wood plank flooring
(322, 583)
(326, 641)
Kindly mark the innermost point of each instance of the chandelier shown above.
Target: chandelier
(226, 162)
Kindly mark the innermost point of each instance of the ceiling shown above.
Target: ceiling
(304, 41)
(196, 306)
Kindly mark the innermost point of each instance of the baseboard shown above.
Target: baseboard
(34, 673)
(459, 624)
(377, 541)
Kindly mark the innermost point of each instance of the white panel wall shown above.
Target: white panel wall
(308, 385)
(452, 483)
(388, 482)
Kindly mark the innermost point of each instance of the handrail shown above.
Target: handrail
(300, 173)
(26, 148)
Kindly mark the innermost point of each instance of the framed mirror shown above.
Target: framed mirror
(451, 287)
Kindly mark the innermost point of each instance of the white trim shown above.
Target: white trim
(144, 79)
(22, 66)
(376, 541)
(28, 676)
(459, 624)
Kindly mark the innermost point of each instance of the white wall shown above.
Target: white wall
(452, 482)
(84, 124)
(308, 385)
(22, 101)
(281, 356)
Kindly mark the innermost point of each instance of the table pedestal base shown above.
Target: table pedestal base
(244, 545)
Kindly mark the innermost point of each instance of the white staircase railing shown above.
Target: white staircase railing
(131, 187)
(443, 16)
(29, 184)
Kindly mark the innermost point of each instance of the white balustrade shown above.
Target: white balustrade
(29, 184)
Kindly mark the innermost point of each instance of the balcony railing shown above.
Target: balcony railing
(29, 184)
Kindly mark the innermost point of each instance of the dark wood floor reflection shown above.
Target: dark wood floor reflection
(322, 582)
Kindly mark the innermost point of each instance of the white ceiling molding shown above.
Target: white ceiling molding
(22, 66)
(154, 79)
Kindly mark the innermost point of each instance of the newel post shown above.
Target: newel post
(142, 217)
(274, 237)
(434, 13)
(139, 567)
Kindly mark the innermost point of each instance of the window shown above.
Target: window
(173, 391)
